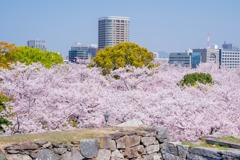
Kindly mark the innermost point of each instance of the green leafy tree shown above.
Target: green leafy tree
(3, 121)
(29, 55)
(193, 78)
(121, 55)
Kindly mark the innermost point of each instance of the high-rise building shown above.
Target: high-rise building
(37, 44)
(81, 52)
(229, 56)
(112, 30)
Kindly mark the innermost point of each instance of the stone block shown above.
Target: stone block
(152, 157)
(162, 134)
(89, 148)
(106, 143)
(140, 149)
(60, 151)
(128, 141)
(2, 156)
(169, 148)
(205, 152)
(152, 149)
(182, 151)
(130, 153)
(191, 156)
(46, 154)
(146, 141)
(104, 154)
(18, 157)
(116, 155)
(41, 143)
(234, 153)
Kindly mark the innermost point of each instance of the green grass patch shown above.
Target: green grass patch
(65, 137)
(204, 144)
(230, 139)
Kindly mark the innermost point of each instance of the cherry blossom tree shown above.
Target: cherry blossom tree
(68, 96)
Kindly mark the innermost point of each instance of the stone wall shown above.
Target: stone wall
(143, 144)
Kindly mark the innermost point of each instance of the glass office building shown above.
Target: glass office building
(82, 52)
(112, 30)
(195, 59)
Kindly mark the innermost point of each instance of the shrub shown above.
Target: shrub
(193, 78)
(3, 121)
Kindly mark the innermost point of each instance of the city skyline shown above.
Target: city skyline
(157, 25)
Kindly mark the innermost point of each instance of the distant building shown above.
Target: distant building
(227, 45)
(112, 30)
(195, 59)
(37, 44)
(230, 58)
(187, 59)
(82, 53)
(208, 54)
(182, 59)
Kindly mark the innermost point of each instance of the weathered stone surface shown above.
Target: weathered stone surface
(104, 142)
(223, 143)
(104, 154)
(131, 123)
(74, 155)
(195, 157)
(112, 145)
(2, 156)
(116, 155)
(12, 151)
(182, 151)
(128, 141)
(115, 136)
(140, 149)
(170, 148)
(23, 146)
(18, 157)
(148, 141)
(89, 148)
(152, 157)
(46, 154)
(41, 143)
(47, 145)
(235, 153)
(66, 156)
(209, 152)
(152, 149)
(130, 153)
(60, 150)
(162, 134)
(168, 156)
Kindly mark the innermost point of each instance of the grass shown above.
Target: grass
(230, 139)
(204, 144)
(65, 137)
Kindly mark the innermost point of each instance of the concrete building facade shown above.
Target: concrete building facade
(112, 30)
(37, 44)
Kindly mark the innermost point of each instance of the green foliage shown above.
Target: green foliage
(121, 55)
(3, 121)
(29, 55)
(193, 78)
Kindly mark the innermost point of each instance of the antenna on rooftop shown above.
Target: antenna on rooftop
(208, 41)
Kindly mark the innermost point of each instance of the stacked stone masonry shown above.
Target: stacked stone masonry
(147, 144)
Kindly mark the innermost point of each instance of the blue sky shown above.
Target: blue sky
(159, 25)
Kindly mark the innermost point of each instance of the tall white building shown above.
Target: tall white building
(112, 30)
(230, 58)
(37, 44)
